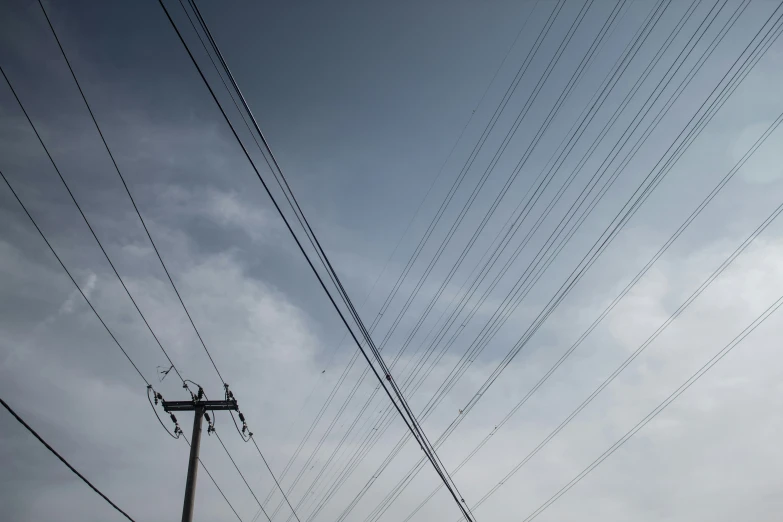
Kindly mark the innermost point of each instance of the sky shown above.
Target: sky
(374, 112)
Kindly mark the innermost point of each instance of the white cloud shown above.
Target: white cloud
(89, 286)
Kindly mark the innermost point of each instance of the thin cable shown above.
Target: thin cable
(173, 366)
(722, 183)
(375, 475)
(407, 228)
(658, 181)
(62, 459)
(662, 406)
(705, 284)
(274, 478)
(127, 190)
(86, 299)
(240, 474)
(172, 435)
(87, 222)
(385, 462)
(204, 467)
(411, 420)
(574, 78)
(300, 246)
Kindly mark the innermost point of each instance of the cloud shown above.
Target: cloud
(270, 330)
(89, 286)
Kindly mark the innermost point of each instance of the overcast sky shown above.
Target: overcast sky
(370, 107)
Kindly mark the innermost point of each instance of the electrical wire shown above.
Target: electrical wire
(68, 272)
(177, 433)
(505, 99)
(575, 77)
(761, 227)
(572, 82)
(376, 281)
(89, 303)
(662, 406)
(87, 222)
(173, 366)
(634, 211)
(410, 421)
(407, 228)
(130, 196)
(376, 474)
(723, 266)
(231, 458)
(322, 255)
(293, 511)
(62, 459)
(149, 236)
(204, 467)
(721, 184)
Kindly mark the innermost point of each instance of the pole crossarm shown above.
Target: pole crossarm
(170, 406)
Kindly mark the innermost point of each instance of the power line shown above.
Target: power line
(87, 222)
(679, 152)
(240, 474)
(644, 345)
(144, 225)
(204, 467)
(62, 459)
(490, 125)
(576, 75)
(250, 437)
(407, 228)
(86, 299)
(399, 447)
(261, 509)
(662, 406)
(721, 184)
(173, 366)
(293, 511)
(127, 190)
(410, 420)
(587, 58)
(103, 323)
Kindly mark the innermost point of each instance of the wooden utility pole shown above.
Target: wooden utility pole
(200, 408)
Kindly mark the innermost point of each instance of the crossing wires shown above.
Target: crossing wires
(384, 377)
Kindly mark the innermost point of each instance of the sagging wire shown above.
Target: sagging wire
(195, 397)
(244, 432)
(155, 396)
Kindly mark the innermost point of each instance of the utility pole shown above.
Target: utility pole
(200, 408)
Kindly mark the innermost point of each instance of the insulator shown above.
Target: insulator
(200, 392)
(206, 416)
(173, 418)
(241, 417)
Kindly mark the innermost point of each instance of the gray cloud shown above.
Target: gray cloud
(360, 129)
